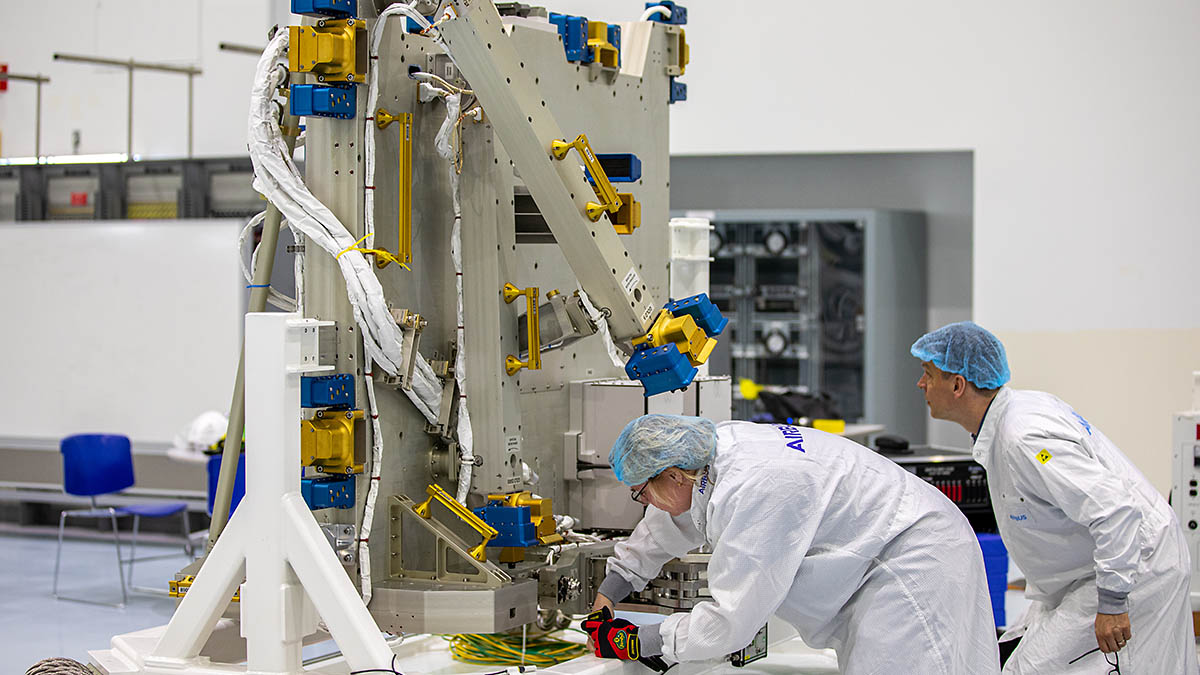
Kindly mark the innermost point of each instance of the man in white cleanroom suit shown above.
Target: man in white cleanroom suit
(1104, 557)
(856, 553)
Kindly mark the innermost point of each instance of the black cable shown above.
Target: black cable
(391, 670)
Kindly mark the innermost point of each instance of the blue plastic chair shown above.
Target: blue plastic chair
(100, 464)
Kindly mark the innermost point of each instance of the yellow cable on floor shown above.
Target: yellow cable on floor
(504, 649)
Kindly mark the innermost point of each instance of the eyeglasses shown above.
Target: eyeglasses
(637, 495)
(1115, 662)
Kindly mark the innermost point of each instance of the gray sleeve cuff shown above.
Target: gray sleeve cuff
(651, 639)
(616, 588)
(1111, 602)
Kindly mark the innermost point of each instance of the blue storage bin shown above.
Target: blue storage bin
(995, 564)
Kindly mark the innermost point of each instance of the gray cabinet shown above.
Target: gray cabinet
(824, 301)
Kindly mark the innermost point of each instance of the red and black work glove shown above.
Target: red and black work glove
(613, 638)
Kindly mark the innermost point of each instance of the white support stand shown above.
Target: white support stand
(291, 573)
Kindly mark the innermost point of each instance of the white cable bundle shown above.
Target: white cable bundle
(614, 352)
(277, 178)
(274, 297)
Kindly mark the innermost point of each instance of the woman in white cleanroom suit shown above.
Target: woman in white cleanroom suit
(856, 553)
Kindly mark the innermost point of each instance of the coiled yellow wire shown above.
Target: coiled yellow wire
(504, 649)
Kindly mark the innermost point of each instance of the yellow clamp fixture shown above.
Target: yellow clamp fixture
(335, 50)
(533, 332)
(486, 531)
(541, 513)
(383, 119)
(604, 52)
(327, 441)
(609, 200)
(678, 53)
(681, 331)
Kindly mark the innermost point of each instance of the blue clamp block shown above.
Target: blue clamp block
(707, 316)
(623, 167)
(678, 12)
(318, 100)
(660, 369)
(327, 391)
(337, 8)
(514, 524)
(574, 33)
(328, 493)
(614, 39)
(678, 91)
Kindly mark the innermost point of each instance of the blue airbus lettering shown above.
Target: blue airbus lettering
(793, 435)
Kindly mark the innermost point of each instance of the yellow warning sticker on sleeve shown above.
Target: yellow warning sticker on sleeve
(1044, 456)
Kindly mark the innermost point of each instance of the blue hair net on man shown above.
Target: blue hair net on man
(966, 349)
(652, 443)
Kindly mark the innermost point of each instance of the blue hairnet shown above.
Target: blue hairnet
(966, 349)
(652, 443)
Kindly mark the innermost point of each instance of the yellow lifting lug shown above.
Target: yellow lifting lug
(335, 50)
(533, 332)
(682, 331)
(610, 201)
(475, 522)
(383, 119)
(327, 441)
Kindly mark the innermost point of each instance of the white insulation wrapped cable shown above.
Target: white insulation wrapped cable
(445, 148)
(364, 530)
(274, 297)
(614, 353)
(278, 179)
(298, 268)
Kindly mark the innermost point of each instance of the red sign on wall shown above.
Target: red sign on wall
(4, 81)
(79, 198)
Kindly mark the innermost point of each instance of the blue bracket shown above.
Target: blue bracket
(706, 315)
(573, 30)
(678, 91)
(327, 391)
(328, 493)
(341, 9)
(624, 167)
(514, 524)
(678, 13)
(660, 369)
(319, 100)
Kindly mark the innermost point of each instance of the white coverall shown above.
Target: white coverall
(854, 551)
(1077, 516)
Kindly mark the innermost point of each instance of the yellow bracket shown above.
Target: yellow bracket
(333, 50)
(604, 52)
(541, 512)
(629, 217)
(533, 331)
(681, 331)
(327, 441)
(678, 52)
(610, 201)
(404, 194)
(486, 531)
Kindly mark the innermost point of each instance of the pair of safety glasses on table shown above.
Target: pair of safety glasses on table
(1115, 662)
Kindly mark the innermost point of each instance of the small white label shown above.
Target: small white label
(646, 314)
(631, 281)
(512, 444)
